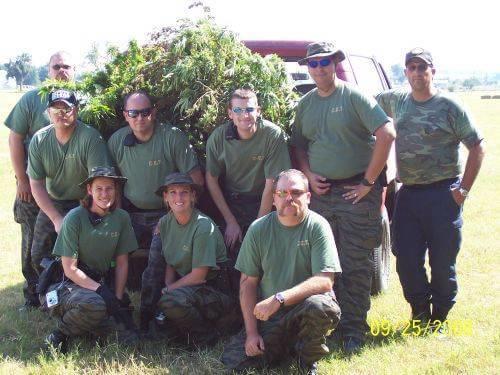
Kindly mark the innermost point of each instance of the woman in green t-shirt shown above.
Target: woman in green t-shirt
(92, 237)
(192, 301)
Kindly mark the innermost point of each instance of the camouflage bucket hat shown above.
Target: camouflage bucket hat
(178, 178)
(102, 172)
(322, 49)
(419, 53)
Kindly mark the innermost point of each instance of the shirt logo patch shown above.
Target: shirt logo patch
(302, 243)
(336, 109)
(154, 163)
(185, 248)
(70, 156)
(258, 158)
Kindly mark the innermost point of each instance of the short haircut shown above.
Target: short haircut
(60, 54)
(137, 92)
(241, 93)
(289, 173)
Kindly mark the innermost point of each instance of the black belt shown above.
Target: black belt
(441, 183)
(348, 180)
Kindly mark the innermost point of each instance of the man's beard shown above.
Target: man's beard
(281, 211)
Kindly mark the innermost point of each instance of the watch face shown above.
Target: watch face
(280, 298)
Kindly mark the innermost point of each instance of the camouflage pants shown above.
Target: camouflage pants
(358, 231)
(25, 213)
(300, 330)
(44, 234)
(80, 311)
(198, 313)
(144, 224)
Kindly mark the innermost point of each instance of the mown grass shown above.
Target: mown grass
(21, 335)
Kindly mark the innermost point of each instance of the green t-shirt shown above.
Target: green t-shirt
(199, 243)
(247, 163)
(282, 256)
(65, 166)
(28, 116)
(428, 135)
(98, 245)
(147, 164)
(337, 131)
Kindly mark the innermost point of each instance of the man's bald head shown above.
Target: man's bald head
(61, 66)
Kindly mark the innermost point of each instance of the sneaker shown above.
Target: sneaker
(352, 345)
(57, 340)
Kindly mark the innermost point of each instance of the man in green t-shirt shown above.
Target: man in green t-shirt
(27, 117)
(146, 152)
(243, 157)
(341, 140)
(430, 126)
(288, 260)
(93, 237)
(60, 155)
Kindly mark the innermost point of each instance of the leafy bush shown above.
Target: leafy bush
(191, 70)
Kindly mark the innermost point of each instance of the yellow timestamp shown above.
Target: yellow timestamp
(415, 327)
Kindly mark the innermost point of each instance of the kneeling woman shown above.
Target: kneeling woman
(192, 249)
(92, 236)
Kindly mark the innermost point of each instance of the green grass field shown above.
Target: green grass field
(473, 351)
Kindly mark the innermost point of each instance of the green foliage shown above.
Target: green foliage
(191, 70)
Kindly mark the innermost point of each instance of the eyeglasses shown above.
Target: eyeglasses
(239, 110)
(133, 113)
(293, 193)
(418, 67)
(61, 111)
(323, 62)
(58, 67)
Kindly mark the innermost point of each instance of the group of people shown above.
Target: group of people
(299, 271)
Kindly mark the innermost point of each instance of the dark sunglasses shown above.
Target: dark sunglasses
(58, 67)
(133, 113)
(239, 110)
(323, 62)
(418, 67)
(293, 193)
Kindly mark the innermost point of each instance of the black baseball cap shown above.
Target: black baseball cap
(65, 96)
(419, 53)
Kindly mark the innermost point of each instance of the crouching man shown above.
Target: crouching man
(288, 260)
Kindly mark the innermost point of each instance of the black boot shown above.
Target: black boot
(307, 368)
(421, 312)
(57, 340)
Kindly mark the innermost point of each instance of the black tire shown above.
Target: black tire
(382, 259)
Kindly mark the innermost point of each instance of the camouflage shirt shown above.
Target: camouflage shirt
(428, 135)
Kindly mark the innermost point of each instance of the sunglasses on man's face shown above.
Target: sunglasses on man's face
(418, 67)
(293, 193)
(239, 110)
(133, 113)
(323, 62)
(61, 111)
(58, 67)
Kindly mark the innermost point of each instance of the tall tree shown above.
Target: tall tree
(19, 68)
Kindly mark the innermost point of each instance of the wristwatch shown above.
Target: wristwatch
(280, 298)
(365, 182)
(464, 192)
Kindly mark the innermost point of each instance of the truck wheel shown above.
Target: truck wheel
(382, 259)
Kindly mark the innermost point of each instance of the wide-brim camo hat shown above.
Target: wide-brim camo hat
(103, 172)
(322, 49)
(178, 178)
